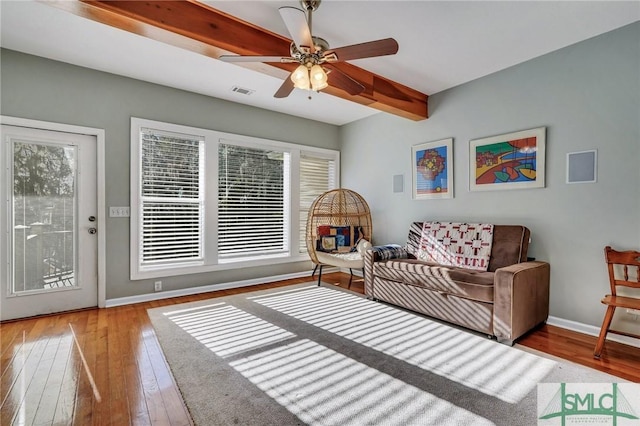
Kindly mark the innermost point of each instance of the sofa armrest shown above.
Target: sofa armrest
(520, 299)
(375, 254)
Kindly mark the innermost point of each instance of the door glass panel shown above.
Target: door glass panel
(44, 206)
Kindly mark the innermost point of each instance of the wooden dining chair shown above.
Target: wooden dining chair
(624, 271)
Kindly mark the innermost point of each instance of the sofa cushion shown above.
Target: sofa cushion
(468, 283)
(510, 246)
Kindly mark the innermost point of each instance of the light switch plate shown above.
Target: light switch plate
(118, 211)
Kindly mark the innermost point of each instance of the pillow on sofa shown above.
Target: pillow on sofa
(390, 251)
(464, 245)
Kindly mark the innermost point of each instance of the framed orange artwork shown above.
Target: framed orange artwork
(509, 161)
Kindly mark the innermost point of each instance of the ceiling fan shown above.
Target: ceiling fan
(315, 56)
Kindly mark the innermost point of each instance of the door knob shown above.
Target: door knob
(92, 230)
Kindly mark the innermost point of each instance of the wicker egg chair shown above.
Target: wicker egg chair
(338, 230)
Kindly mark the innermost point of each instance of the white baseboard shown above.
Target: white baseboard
(207, 288)
(591, 330)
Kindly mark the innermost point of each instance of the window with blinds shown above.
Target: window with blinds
(203, 200)
(171, 197)
(253, 202)
(317, 175)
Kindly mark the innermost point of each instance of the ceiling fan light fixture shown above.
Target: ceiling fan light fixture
(300, 78)
(318, 78)
(312, 52)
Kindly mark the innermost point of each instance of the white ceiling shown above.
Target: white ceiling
(442, 44)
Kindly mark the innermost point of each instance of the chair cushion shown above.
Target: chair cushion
(342, 260)
(468, 283)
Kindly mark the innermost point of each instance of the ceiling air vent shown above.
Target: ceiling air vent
(242, 90)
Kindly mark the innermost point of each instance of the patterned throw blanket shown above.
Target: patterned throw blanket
(464, 245)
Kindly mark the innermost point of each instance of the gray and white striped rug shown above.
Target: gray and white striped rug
(324, 356)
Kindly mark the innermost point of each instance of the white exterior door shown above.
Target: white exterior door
(49, 222)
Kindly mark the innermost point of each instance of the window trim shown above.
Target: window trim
(212, 138)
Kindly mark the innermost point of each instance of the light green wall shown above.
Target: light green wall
(41, 89)
(588, 97)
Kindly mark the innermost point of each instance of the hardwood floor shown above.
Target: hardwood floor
(44, 379)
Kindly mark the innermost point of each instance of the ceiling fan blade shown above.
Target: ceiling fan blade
(297, 25)
(285, 89)
(342, 81)
(387, 46)
(255, 58)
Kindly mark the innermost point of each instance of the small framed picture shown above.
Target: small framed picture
(329, 243)
(432, 169)
(509, 161)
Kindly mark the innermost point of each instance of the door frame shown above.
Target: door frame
(99, 134)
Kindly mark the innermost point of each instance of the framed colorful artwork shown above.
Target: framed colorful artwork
(510, 161)
(432, 169)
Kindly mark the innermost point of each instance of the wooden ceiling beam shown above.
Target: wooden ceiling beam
(202, 29)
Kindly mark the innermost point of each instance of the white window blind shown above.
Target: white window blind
(253, 201)
(204, 200)
(171, 197)
(317, 175)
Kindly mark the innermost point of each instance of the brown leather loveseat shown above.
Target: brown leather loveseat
(508, 299)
